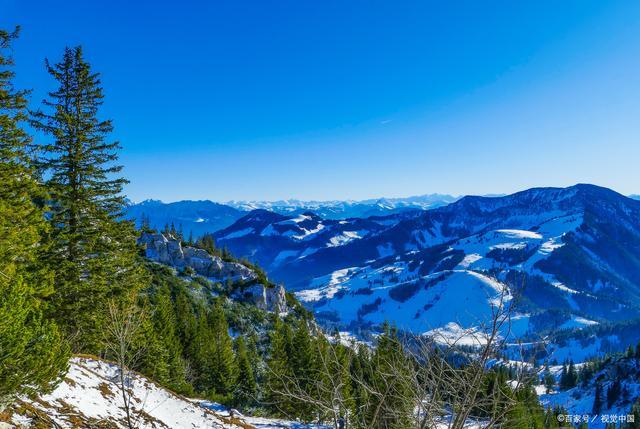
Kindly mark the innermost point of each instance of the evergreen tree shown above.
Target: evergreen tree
(569, 376)
(278, 369)
(222, 360)
(93, 252)
(32, 353)
(388, 363)
(597, 400)
(548, 380)
(572, 376)
(165, 321)
(563, 377)
(245, 390)
(613, 392)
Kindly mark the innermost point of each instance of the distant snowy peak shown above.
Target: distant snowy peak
(191, 217)
(338, 209)
(206, 217)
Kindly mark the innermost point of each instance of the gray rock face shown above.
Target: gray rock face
(169, 251)
(266, 298)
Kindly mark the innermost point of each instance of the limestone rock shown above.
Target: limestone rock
(169, 250)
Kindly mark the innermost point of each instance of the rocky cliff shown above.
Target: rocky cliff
(168, 250)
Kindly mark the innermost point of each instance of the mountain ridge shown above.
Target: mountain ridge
(574, 248)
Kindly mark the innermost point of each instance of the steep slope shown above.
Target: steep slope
(606, 393)
(241, 282)
(89, 396)
(194, 217)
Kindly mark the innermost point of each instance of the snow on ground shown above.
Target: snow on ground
(237, 234)
(577, 322)
(346, 237)
(257, 422)
(453, 334)
(429, 302)
(579, 402)
(89, 395)
(283, 256)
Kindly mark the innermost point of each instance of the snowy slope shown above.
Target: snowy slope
(89, 395)
(579, 400)
(571, 256)
(419, 304)
(274, 240)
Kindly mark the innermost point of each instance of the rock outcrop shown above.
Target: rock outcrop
(266, 298)
(168, 250)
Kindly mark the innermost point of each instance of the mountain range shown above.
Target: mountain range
(567, 258)
(205, 217)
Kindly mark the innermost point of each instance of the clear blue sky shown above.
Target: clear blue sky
(354, 99)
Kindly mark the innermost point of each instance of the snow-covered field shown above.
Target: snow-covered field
(89, 395)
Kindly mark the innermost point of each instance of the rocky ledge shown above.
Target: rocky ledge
(168, 250)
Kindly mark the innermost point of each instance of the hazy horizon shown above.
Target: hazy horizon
(634, 195)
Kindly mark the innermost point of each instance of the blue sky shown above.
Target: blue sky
(333, 99)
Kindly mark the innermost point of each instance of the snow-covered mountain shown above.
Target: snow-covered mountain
(337, 209)
(206, 217)
(569, 257)
(274, 240)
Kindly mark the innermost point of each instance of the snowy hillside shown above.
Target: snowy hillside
(89, 397)
(605, 392)
(273, 240)
(569, 257)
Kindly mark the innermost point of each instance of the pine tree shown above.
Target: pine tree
(222, 360)
(563, 378)
(302, 365)
(278, 369)
(254, 356)
(32, 353)
(245, 391)
(613, 393)
(360, 393)
(93, 251)
(548, 379)
(572, 376)
(389, 358)
(170, 353)
(597, 400)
